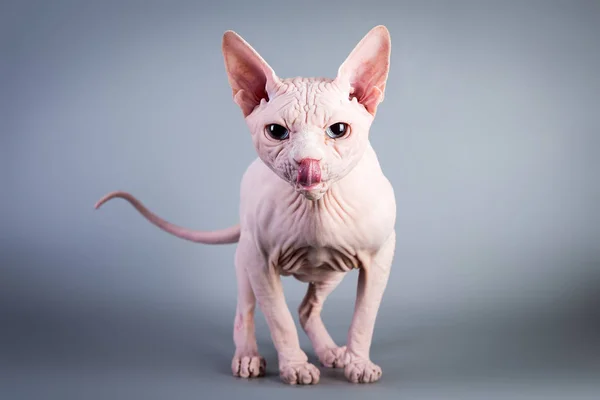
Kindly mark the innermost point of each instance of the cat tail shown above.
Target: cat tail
(222, 236)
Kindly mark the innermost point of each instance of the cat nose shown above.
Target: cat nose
(307, 153)
(314, 157)
(305, 145)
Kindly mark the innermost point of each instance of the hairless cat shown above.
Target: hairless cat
(314, 204)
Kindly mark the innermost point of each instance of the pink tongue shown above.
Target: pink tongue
(309, 172)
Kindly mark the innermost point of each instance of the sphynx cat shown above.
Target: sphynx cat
(314, 204)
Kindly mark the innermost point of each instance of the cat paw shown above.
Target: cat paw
(301, 374)
(333, 357)
(248, 366)
(362, 371)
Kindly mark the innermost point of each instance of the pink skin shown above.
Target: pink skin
(311, 206)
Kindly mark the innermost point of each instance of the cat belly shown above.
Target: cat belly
(315, 261)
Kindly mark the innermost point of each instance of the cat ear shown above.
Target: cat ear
(250, 77)
(365, 71)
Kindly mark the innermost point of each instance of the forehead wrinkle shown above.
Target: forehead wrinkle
(285, 106)
(315, 100)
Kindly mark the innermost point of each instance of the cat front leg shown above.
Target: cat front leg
(372, 281)
(247, 362)
(329, 353)
(265, 281)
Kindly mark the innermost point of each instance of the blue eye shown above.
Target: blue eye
(277, 132)
(337, 130)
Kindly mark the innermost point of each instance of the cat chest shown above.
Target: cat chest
(296, 246)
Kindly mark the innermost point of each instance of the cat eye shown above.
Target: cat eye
(337, 130)
(277, 131)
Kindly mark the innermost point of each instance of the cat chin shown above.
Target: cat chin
(314, 192)
(313, 196)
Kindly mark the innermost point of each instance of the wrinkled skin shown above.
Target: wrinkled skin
(312, 206)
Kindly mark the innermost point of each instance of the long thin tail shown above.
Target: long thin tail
(223, 236)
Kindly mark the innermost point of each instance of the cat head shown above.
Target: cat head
(310, 131)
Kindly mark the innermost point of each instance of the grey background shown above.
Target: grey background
(488, 132)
